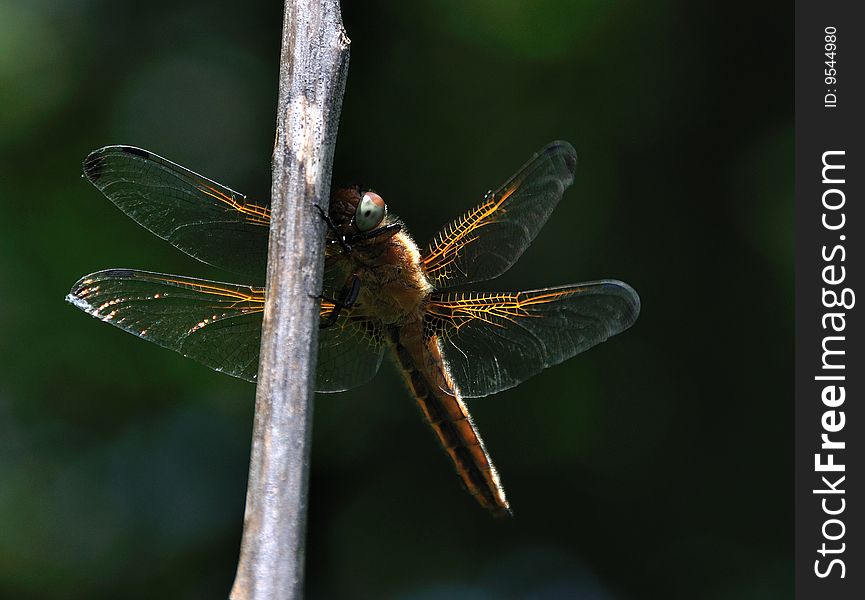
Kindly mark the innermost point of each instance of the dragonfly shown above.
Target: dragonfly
(382, 292)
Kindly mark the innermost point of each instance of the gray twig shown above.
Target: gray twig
(313, 69)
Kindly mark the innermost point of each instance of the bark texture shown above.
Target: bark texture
(313, 69)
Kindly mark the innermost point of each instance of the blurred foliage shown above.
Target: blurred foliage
(656, 465)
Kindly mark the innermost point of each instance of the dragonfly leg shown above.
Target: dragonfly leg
(340, 239)
(382, 233)
(347, 297)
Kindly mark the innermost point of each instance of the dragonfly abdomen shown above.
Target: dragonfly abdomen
(426, 375)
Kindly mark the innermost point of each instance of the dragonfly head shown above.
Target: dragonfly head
(359, 214)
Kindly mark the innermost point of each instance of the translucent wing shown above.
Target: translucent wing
(349, 353)
(494, 341)
(218, 324)
(204, 219)
(487, 240)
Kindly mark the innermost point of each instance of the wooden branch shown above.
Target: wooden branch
(313, 69)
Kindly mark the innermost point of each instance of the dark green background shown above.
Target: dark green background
(657, 465)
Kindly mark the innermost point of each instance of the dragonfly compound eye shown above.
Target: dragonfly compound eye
(370, 212)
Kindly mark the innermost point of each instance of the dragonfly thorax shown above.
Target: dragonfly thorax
(393, 283)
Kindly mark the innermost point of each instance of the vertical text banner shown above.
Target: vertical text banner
(830, 329)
